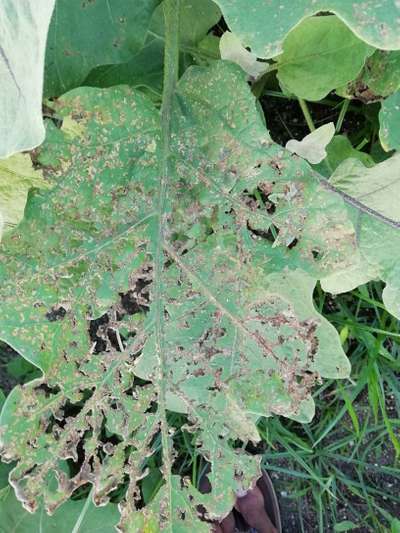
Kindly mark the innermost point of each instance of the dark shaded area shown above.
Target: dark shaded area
(137, 300)
(95, 326)
(7, 381)
(285, 119)
(57, 313)
(220, 28)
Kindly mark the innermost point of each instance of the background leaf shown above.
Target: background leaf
(382, 72)
(378, 189)
(320, 54)
(389, 132)
(23, 30)
(264, 26)
(338, 150)
(85, 34)
(91, 519)
(145, 68)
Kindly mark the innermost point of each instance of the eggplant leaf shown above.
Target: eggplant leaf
(74, 516)
(389, 121)
(265, 25)
(86, 34)
(169, 296)
(23, 31)
(144, 67)
(378, 189)
(320, 54)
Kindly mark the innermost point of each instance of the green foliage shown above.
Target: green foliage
(378, 189)
(389, 132)
(74, 516)
(319, 55)
(145, 68)
(265, 25)
(86, 34)
(379, 78)
(169, 269)
(382, 73)
(338, 150)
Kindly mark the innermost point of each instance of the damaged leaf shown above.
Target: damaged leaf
(178, 292)
(223, 333)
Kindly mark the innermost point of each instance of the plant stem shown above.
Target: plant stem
(171, 72)
(342, 114)
(306, 113)
(362, 144)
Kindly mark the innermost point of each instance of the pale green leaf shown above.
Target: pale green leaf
(313, 146)
(23, 31)
(86, 34)
(232, 49)
(345, 525)
(378, 190)
(377, 187)
(17, 177)
(389, 120)
(320, 54)
(264, 25)
(395, 526)
(339, 149)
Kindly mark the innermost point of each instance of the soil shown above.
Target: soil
(285, 120)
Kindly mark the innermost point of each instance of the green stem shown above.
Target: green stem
(171, 73)
(342, 114)
(188, 49)
(362, 144)
(306, 113)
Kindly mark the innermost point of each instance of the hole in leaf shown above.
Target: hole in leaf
(56, 313)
